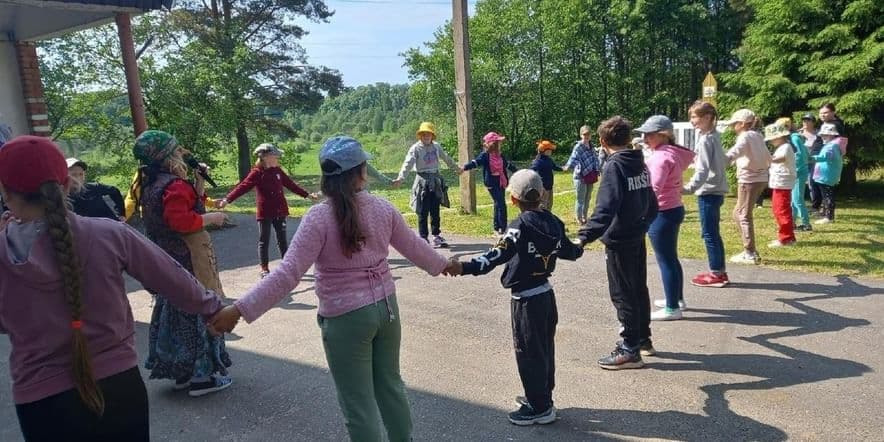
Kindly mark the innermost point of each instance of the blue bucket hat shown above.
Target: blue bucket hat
(344, 151)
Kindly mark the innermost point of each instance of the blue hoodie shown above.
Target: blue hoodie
(828, 164)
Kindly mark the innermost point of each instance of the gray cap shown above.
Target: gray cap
(523, 182)
(268, 148)
(655, 123)
(344, 151)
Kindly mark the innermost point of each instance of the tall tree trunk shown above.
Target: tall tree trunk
(243, 157)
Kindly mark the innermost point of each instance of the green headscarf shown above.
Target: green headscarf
(154, 146)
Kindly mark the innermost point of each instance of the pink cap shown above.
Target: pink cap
(491, 137)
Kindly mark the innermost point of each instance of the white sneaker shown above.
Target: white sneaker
(745, 258)
(661, 303)
(777, 243)
(823, 221)
(666, 314)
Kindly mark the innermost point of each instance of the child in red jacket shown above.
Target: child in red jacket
(268, 179)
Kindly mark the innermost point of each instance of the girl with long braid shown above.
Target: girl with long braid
(73, 361)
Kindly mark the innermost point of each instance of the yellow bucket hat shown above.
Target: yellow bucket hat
(428, 127)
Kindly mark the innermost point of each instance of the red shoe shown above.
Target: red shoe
(708, 279)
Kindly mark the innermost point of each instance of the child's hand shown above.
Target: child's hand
(396, 183)
(454, 268)
(220, 204)
(314, 197)
(225, 320)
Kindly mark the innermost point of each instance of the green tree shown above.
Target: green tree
(798, 55)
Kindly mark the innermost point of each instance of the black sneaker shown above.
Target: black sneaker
(804, 228)
(621, 358)
(215, 383)
(526, 415)
(647, 348)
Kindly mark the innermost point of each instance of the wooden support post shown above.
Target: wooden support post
(463, 100)
(130, 66)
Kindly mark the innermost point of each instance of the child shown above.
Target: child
(814, 144)
(667, 164)
(625, 207)
(268, 179)
(827, 172)
(529, 249)
(429, 189)
(585, 163)
(753, 161)
(709, 183)
(347, 237)
(63, 305)
(93, 199)
(782, 180)
(495, 168)
(544, 166)
(802, 157)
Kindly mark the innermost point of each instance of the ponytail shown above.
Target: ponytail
(68, 261)
(341, 191)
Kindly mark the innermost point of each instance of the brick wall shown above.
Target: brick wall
(32, 88)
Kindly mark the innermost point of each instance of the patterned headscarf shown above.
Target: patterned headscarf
(154, 146)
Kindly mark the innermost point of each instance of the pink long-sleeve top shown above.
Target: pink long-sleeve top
(343, 284)
(35, 315)
(666, 166)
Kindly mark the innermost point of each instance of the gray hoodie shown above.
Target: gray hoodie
(710, 164)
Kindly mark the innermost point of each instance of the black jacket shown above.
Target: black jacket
(530, 247)
(626, 204)
(90, 201)
(544, 166)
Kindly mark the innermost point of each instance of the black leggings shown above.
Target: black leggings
(264, 238)
(64, 416)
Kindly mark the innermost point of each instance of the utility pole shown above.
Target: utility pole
(130, 66)
(463, 99)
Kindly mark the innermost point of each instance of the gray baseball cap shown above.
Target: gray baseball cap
(656, 123)
(523, 182)
(268, 149)
(344, 151)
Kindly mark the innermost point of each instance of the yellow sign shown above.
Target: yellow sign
(710, 89)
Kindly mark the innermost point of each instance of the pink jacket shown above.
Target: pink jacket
(343, 284)
(666, 166)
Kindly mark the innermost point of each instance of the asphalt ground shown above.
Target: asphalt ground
(776, 355)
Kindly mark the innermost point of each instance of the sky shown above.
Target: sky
(364, 38)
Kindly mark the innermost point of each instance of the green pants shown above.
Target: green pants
(362, 350)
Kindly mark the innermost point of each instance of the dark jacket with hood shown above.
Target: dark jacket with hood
(626, 203)
(532, 244)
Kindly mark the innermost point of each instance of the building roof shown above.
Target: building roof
(31, 20)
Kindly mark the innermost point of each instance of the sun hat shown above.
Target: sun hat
(268, 149)
(71, 162)
(28, 161)
(740, 116)
(526, 185)
(544, 145)
(829, 129)
(656, 123)
(344, 151)
(154, 146)
(427, 127)
(491, 137)
(774, 131)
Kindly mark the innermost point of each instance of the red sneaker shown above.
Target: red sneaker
(708, 279)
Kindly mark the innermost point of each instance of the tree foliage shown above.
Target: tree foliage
(798, 55)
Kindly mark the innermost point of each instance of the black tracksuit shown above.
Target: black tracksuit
(625, 207)
(529, 249)
(90, 201)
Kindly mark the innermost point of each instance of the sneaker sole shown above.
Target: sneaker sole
(206, 391)
(717, 285)
(668, 318)
(648, 352)
(624, 366)
(543, 420)
(181, 387)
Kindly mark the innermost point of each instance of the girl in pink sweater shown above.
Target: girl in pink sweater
(347, 238)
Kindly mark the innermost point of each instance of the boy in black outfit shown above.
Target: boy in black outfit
(529, 248)
(625, 208)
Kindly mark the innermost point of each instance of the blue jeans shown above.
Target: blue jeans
(710, 220)
(799, 210)
(497, 194)
(664, 239)
(584, 193)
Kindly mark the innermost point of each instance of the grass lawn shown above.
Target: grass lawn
(853, 245)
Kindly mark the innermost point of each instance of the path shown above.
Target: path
(777, 355)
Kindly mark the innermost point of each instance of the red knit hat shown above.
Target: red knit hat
(27, 161)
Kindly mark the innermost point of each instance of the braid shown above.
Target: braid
(69, 264)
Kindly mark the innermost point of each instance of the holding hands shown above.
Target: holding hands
(225, 320)
(454, 268)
